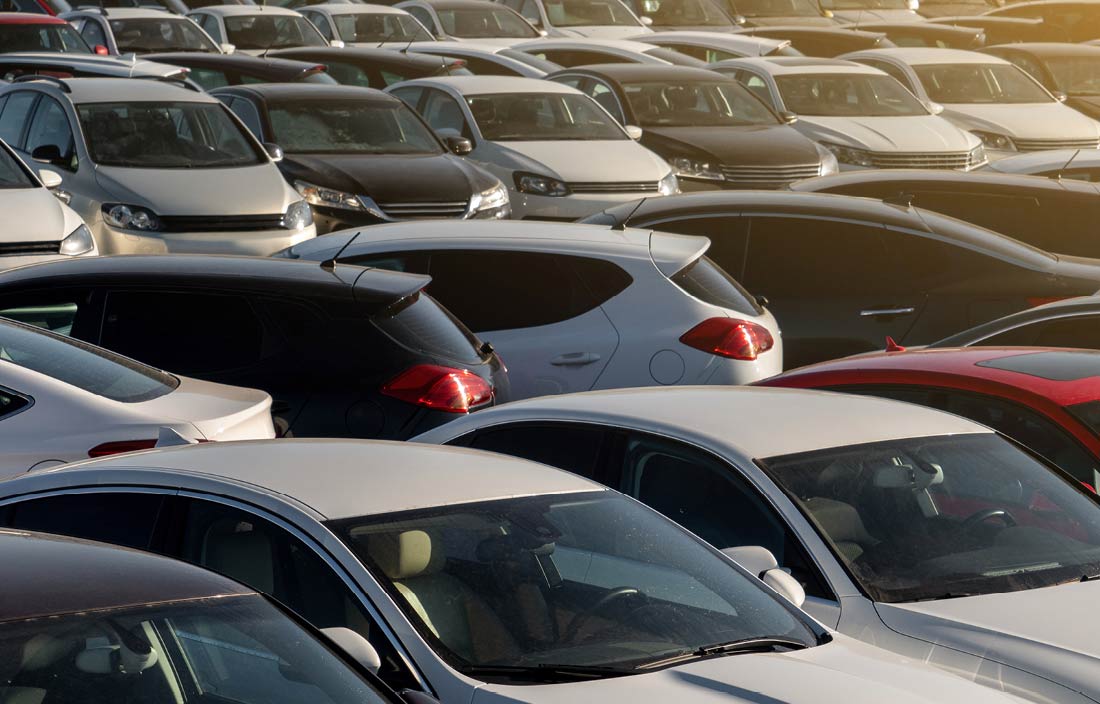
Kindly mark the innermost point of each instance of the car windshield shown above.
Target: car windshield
(12, 173)
(236, 649)
(935, 517)
(777, 8)
(575, 579)
(848, 95)
(79, 364)
(350, 127)
(979, 83)
(165, 135)
(533, 117)
(168, 34)
(580, 13)
(696, 104)
(42, 37)
(488, 22)
(377, 27)
(1077, 75)
(253, 32)
(686, 13)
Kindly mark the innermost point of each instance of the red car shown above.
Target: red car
(22, 32)
(1047, 399)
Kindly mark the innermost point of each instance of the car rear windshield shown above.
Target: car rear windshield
(265, 32)
(420, 324)
(711, 284)
(79, 364)
(142, 36)
(61, 38)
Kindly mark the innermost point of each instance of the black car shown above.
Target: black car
(361, 157)
(1051, 214)
(824, 42)
(1080, 19)
(211, 71)
(942, 36)
(344, 351)
(1074, 323)
(374, 68)
(709, 127)
(1007, 30)
(1072, 70)
(841, 274)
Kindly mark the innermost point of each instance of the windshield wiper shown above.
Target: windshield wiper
(548, 672)
(946, 595)
(735, 647)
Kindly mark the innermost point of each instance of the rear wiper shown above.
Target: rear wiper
(548, 672)
(749, 645)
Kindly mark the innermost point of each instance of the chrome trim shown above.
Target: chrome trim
(886, 311)
(457, 210)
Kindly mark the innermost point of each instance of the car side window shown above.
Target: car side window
(50, 128)
(16, 117)
(893, 71)
(212, 26)
(1076, 331)
(64, 311)
(423, 16)
(758, 87)
(728, 234)
(602, 94)
(127, 519)
(410, 95)
(250, 116)
(209, 78)
(93, 34)
(11, 403)
(442, 112)
(572, 447)
(1026, 63)
(321, 23)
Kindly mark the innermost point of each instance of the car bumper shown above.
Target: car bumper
(571, 207)
(255, 243)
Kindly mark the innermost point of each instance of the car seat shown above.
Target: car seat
(842, 525)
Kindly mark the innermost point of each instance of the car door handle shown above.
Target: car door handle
(873, 312)
(575, 359)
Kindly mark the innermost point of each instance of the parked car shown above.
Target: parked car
(488, 59)
(710, 47)
(857, 11)
(140, 30)
(1070, 164)
(615, 320)
(147, 165)
(1070, 322)
(713, 131)
(12, 66)
(431, 565)
(584, 51)
(255, 29)
(62, 400)
(790, 13)
(944, 36)
(344, 352)
(1052, 214)
(860, 114)
(825, 42)
(39, 7)
(896, 271)
(559, 153)
(1007, 30)
(1069, 71)
(39, 226)
(1004, 106)
(607, 19)
(23, 32)
(211, 71)
(110, 622)
(1079, 19)
(374, 68)
(361, 157)
(906, 527)
(360, 24)
(471, 20)
(671, 15)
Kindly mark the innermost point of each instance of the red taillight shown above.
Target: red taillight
(440, 388)
(118, 446)
(729, 337)
(1043, 300)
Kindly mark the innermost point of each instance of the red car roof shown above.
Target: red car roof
(28, 18)
(1062, 376)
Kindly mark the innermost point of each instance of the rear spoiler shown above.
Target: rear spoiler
(671, 253)
(381, 287)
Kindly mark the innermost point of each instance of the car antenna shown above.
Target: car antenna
(620, 226)
(1065, 166)
(902, 200)
(387, 38)
(330, 264)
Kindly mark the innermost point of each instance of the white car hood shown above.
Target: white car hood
(572, 161)
(601, 31)
(1028, 121)
(1049, 632)
(35, 215)
(254, 190)
(926, 133)
(842, 672)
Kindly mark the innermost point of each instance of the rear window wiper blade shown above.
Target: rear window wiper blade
(748, 645)
(548, 672)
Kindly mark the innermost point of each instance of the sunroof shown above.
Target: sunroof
(1069, 365)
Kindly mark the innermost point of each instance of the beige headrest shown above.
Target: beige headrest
(404, 555)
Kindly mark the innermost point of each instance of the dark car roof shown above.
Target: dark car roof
(929, 28)
(649, 72)
(975, 180)
(811, 61)
(50, 575)
(272, 67)
(1045, 49)
(279, 92)
(361, 55)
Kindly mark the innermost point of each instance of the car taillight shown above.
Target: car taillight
(440, 388)
(119, 446)
(729, 337)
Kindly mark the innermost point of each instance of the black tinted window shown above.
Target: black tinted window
(15, 116)
(572, 448)
(11, 403)
(710, 284)
(728, 237)
(120, 519)
(419, 323)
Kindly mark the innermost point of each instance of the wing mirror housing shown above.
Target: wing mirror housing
(634, 132)
(274, 151)
(934, 108)
(646, 20)
(338, 43)
(49, 179)
(761, 562)
(101, 50)
(1060, 96)
(458, 144)
(228, 48)
(356, 646)
(788, 117)
(739, 20)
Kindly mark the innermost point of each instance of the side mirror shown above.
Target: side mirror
(228, 48)
(934, 108)
(739, 20)
(356, 646)
(789, 118)
(47, 154)
(459, 145)
(49, 179)
(913, 5)
(274, 151)
(101, 50)
(337, 43)
(761, 563)
(646, 20)
(1060, 96)
(543, 33)
(634, 132)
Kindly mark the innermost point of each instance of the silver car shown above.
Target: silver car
(153, 167)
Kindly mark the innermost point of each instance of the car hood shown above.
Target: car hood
(843, 671)
(587, 160)
(790, 22)
(926, 133)
(1045, 631)
(1030, 120)
(391, 178)
(41, 216)
(600, 31)
(254, 190)
(756, 145)
(218, 411)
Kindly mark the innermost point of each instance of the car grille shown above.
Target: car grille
(614, 187)
(921, 160)
(1038, 145)
(774, 176)
(220, 223)
(404, 211)
(26, 249)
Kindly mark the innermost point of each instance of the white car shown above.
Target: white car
(140, 30)
(862, 115)
(560, 154)
(628, 308)
(471, 20)
(569, 52)
(1000, 103)
(38, 226)
(255, 30)
(62, 400)
(478, 578)
(489, 59)
(710, 47)
(606, 19)
(918, 531)
(365, 25)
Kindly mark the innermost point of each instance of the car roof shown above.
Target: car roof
(482, 85)
(238, 10)
(306, 91)
(347, 478)
(963, 181)
(917, 56)
(259, 64)
(127, 13)
(800, 65)
(60, 575)
(462, 4)
(1063, 376)
(370, 55)
(1044, 49)
(94, 63)
(355, 8)
(123, 90)
(29, 18)
(714, 39)
(1069, 307)
(585, 42)
(650, 72)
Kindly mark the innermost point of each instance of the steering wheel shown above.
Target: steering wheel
(583, 617)
(985, 514)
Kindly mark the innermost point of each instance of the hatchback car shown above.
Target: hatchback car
(375, 68)
(211, 71)
(714, 131)
(825, 42)
(482, 578)
(22, 32)
(471, 20)
(256, 30)
(630, 308)
(1080, 19)
(559, 153)
(140, 30)
(907, 527)
(605, 19)
(892, 270)
(343, 351)
(1070, 70)
(859, 113)
(153, 167)
(359, 156)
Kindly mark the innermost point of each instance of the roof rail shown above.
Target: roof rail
(39, 77)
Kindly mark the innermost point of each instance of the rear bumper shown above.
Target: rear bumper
(255, 243)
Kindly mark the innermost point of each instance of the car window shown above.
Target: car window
(264, 32)
(410, 95)
(484, 67)
(708, 282)
(758, 87)
(894, 71)
(848, 95)
(50, 128)
(443, 112)
(211, 25)
(349, 74)
(160, 34)
(12, 173)
(16, 116)
(422, 15)
(602, 94)
(119, 518)
(1081, 331)
(93, 34)
(209, 78)
(11, 403)
(249, 115)
(511, 117)
(1028, 64)
(979, 83)
(378, 27)
(571, 447)
(321, 23)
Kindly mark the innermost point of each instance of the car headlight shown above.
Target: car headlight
(492, 204)
(540, 185)
(995, 140)
(829, 162)
(850, 155)
(669, 185)
(328, 197)
(690, 168)
(298, 216)
(78, 242)
(977, 156)
(130, 217)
